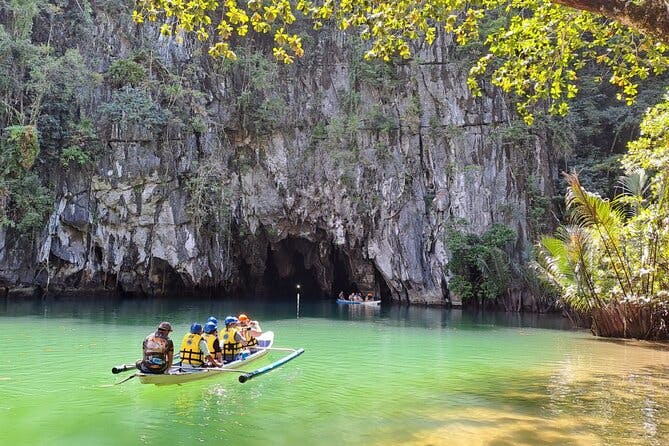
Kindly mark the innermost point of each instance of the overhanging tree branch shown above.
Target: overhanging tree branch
(650, 17)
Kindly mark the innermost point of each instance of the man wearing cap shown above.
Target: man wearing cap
(158, 350)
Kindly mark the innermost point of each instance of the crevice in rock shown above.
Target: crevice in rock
(382, 288)
(163, 278)
(341, 273)
(97, 253)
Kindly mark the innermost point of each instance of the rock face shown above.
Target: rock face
(334, 173)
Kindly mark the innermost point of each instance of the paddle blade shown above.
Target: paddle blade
(127, 379)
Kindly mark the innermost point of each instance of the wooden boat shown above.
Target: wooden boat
(356, 302)
(180, 375)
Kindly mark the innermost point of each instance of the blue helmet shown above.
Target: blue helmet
(231, 320)
(209, 327)
(213, 319)
(196, 328)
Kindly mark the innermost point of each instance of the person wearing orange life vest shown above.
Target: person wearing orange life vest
(157, 351)
(232, 340)
(194, 350)
(249, 329)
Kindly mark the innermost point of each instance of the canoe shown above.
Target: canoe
(355, 302)
(178, 375)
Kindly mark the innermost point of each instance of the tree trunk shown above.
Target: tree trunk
(631, 320)
(649, 17)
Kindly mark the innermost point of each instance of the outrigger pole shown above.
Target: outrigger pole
(246, 376)
(123, 368)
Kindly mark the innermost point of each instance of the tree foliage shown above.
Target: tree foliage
(24, 202)
(480, 265)
(126, 72)
(133, 106)
(210, 197)
(537, 53)
(41, 118)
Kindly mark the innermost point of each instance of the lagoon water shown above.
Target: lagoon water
(369, 376)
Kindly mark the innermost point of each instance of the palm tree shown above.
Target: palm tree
(610, 260)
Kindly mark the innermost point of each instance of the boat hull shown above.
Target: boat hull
(177, 376)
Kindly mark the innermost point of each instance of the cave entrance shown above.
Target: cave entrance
(163, 278)
(289, 263)
(320, 271)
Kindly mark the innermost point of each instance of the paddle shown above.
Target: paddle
(246, 376)
(120, 382)
(127, 379)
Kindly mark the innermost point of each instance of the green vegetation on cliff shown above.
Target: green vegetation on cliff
(41, 122)
(480, 266)
(24, 202)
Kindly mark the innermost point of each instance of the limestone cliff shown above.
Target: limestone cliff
(250, 177)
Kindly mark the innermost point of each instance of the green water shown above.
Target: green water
(388, 376)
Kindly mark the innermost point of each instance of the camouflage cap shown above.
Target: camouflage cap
(165, 326)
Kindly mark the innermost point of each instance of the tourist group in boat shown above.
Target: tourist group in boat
(203, 346)
(356, 297)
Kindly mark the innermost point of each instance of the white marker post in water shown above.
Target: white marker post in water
(298, 300)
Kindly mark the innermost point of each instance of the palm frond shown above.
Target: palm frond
(590, 209)
(636, 187)
(636, 183)
(565, 261)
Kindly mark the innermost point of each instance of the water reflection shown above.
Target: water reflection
(358, 312)
(118, 310)
(621, 402)
(575, 408)
(114, 309)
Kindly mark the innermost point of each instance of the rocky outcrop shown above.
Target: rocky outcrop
(334, 173)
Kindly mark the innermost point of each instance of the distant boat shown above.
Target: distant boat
(356, 302)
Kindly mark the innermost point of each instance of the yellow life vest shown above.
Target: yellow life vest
(246, 334)
(190, 350)
(230, 345)
(210, 338)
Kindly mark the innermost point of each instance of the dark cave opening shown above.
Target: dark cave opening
(163, 278)
(286, 268)
(320, 271)
(341, 277)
